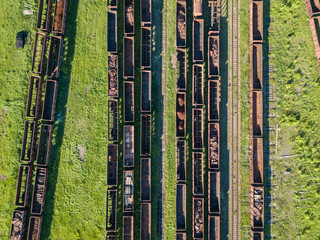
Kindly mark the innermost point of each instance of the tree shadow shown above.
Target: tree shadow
(61, 110)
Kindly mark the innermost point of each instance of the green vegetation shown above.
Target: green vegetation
(296, 78)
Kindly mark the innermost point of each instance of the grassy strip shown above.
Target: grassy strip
(15, 65)
(296, 80)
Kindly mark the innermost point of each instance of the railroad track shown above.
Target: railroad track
(234, 113)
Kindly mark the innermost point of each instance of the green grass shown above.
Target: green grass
(15, 65)
(296, 80)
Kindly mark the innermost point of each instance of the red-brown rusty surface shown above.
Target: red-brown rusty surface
(60, 15)
(53, 63)
(213, 100)
(34, 230)
(128, 96)
(39, 191)
(180, 114)
(113, 76)
(23, 186)
(128, 16)
(312, 7)
(197, 85)
(181, 26)
(257, 207)
(128, 191)
(213, 56)
(181, 236)
(181, 69)
(181, 210)
(256, 67)
(257, 235)
(128, 57)
(256, 21)
(112, 31)
(214, 192)
(44, 15)
(145, 134)
(145, 221)
(314, 27)
(256, 114)
(215, 16)
(181, 160)
(111, 210)
(34, 97)
(113, 120)
(146, 47)
(197, 218)
(18, 224)
(145, 179)
(44, 145)
(128, 146)
(39, 51)
(29, 141)
(128, 227)
(197, 38)
(145, 12)
(213, 146)
(197, 174)
(214, 227)
(112, 165)
(256, 162)
(197, 129)
(146, 91)
(50, 98)
(197, 8)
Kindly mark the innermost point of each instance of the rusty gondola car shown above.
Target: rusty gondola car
(54, 58)
(214, 192)
(213, 56)
(112, 4)
(29, 141)
(197, 33)
(214, 228)
(128, 17)
(128, 191)
(128, 146)
(213, 100)
(112, 31)
(256, 111)
(60, 17)
(180, 114)
(146, 91)
(44, 15)
(256, 162)
(39, 191)
(39, 51)
(312, 7)
(181, 158)
(181, 69)
(197, 174)
(197, 85)
(34, 230)
(256, 67)
(145, 221)
(197, 8)
(18, 224)
(49, 102)
(128, 57)
(111, 214)
(213, 146)
(256, 21)
(215, 7)
(181, 208)
(34, 97)
(44, 145)
(113, 120)
(23, 186)
(145, 47)
(128, 227)
(257, 207)
(197, 218)
(197, 129)
(181, 236)
(113, 76)
(145, 135)
(314, 23)
(112, 165)
(181, 26)
(257, 235)
(128, 96)
(146, 13)
(145, 179)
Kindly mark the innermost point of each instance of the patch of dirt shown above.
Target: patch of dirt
(3, 177)
(173, 60)
(82, 152)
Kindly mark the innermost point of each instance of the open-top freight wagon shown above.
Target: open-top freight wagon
(145, 179)
(112, 4)
(23, 186)
(128, 226)
(128, 146)
(181, 236)
(113, 120)
(197, 174)
(213, 100)
(197, 33)
(257, 235)
(111, 236)
(146, 13)
(128, 17)
(197, 218)
(256, 67)
(181, 69)
(213, 146)
(145, 135)
(213, 227)
(44, 145)
(312, 7)
(197, 85)
(112, 166)
(18, 224)
(128, 190)
(214, 192)
(49, 102)
(256, 21)
(256, 162)
(128, 95)
(197, 129)
(112, 201)
(39, 191)
(146, 91)
(256, 129)
(54, 58)
(257, 207)
(197, 8)
(39, 51)
(113, 76)
(181, 160)
(181, 208)
(60, 17)
(44, 15)
(146, 47)
(29, 142)
(314, 23)
(145, 221)
(180, 115)
(34, 97)
(112, 31)
(181, 26)
(215, 16)
(34, 230)
(128, 57)
(213, 56)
